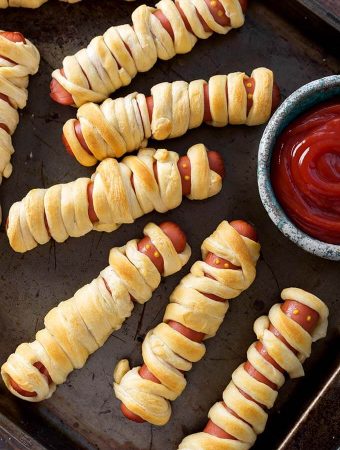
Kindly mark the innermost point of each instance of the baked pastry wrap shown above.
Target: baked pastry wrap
(29, 3)
(122, 125)
(80, 325)
(18, 60)
(112, 60)
(251, 418)
(62, 210)
(168, 353)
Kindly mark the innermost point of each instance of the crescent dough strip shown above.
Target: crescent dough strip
(79, 326)
(62, 210)
(167, 352)
(24, 61)
(252, 418)
(30, 3)
(122, 125)
(147, 41)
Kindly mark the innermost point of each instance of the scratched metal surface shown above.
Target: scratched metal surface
(83, 413)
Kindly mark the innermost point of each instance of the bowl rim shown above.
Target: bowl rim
(266, 146)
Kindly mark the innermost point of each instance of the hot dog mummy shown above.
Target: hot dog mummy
(112, 60)
(117, 193)
(284, 342)
(79, 326)
(125, 124)
(27, 3)
(196, 310)
(31, 3)
(19, 58)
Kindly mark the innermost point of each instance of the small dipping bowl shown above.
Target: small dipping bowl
(299, 102)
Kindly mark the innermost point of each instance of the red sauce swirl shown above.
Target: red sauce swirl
(305, 172)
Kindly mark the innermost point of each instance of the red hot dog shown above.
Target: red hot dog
(276, 97)
(42, 369)
(5, 99)
(174, 233)
(21, 391)
(214, 430)
(59, 94)
(13, 36)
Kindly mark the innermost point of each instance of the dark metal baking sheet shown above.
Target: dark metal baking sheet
(83, 412)
(318, 19)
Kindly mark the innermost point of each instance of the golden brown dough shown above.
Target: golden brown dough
(29, 3)
(62, 210)
(166, 352)
(252, 417)
(24, 61)
(122, 125)
(80, 325)
(105, 65)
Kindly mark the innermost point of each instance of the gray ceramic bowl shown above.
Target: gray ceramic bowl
(300, 101)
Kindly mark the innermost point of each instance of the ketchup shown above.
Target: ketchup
(305, 172)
